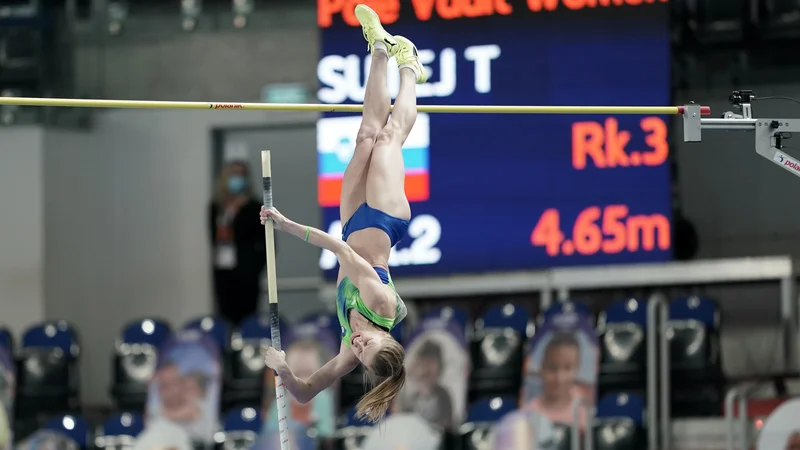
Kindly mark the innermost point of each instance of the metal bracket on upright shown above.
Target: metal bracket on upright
(770, 134)
(692, 128)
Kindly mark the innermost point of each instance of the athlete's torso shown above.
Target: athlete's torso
(373, 245)
(349, 301)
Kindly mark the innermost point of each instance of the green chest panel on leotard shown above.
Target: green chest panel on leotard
(348, 297)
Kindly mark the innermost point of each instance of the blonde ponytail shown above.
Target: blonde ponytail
(386, 378)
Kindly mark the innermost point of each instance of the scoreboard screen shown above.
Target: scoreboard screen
(496, 192)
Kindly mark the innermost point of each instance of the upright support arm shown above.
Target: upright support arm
(770, 134)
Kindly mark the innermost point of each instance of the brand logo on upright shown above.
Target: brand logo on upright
(793, 165)
(787, 162)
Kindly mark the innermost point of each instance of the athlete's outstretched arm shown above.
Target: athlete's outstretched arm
(305, 390)
(309, 234)
(356, 267)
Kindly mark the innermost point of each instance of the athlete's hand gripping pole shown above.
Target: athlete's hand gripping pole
(272, 290)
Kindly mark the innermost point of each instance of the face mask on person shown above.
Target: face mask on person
(236, 184)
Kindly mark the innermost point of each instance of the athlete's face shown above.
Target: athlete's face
(366, 344)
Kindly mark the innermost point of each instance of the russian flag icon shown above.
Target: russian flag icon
(336, 137)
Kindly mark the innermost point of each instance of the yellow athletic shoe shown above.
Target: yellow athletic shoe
(407, 55)
(373, 30)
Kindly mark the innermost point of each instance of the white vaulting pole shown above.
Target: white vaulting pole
(272, 291)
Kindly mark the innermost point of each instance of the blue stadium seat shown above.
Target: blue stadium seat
(490, 410)
(497, 351)
(716, 23)
(460, 315)
(694, 342)
(216, 328)
(772, 21)
(619, 422)
(327, 321)
(134, 361)
(397, 332)
(150, 331)
(257, 326)
(481, 417)
(695, 362)
(74, 427)
(244, 374)
(561, 307)
(241, 427)
(52, 335)
(47, 370)
(509, 315)
(350, 419)
(119, 431)
(622, 335)
(7, 340)
(352, 431)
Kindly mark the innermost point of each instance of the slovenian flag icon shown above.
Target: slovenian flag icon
(336, 140)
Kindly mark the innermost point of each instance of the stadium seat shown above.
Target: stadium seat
(215, 328)
(481, 417)
(241, 427)
(329, 321)
(351, 388)
(448, 312)
(562, 437)
(119, 431)
(47, 439)
(694, 334)
(7, 340)
(352, 431)
(244, 374)
(74, 427)
(694, 354)
(714, 22)
(565, 306)
(398, 332)
(622, 335)
(619, 422)
(778, 19)
(47, 370)
(134, 361)
(497, 351)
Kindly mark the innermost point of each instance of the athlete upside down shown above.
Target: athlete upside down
(376, 214)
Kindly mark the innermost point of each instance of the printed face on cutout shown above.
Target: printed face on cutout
(170, 387)
(559, 369)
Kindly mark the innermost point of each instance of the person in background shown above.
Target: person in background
(424, 395)
(238, 245)
(523, 430)
(7, 389)
(793, 443)
(403, 431)
(559, 370)
(171, 393)
(163, 435)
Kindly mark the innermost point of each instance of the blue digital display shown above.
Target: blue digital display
(511, 192)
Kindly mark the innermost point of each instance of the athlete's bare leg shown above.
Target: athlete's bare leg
(386, 175)
(377, 102)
